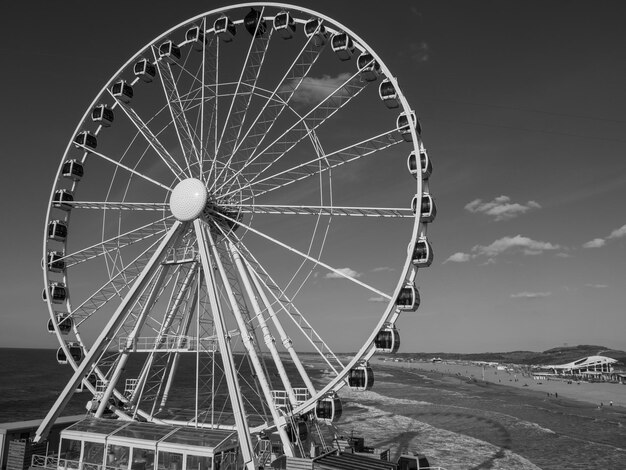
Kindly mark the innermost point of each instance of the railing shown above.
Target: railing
(169, 343)
(53, 462)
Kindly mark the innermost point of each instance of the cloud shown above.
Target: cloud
(385, 269)
(458, 258)
(500, 208)
(595, 243)
(419, 52)
(378, 300)
(600, 242)
(526, 245)
(597, 286)
(346, 271)
(314, 90)
(531, 295)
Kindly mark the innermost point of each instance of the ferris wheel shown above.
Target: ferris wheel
(243, 202)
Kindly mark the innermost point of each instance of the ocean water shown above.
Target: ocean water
(458, 424)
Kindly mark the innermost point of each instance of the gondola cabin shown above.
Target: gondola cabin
(255, 23)
(145, 70)
(62, 199)
(425, 165)
(427, 208)
(422, 253)
(64, 323)
(195, 36)
(73, 169)
(122, 91)
(284, 25)
(315, 29)
(57, 230)
(343, 46)
(98, 444)
(301, 432)
(54, 262)
(102, 115)
(57, 291)
(75, 350)
(387, 340)
(408, 298)
(225, 29)
(329, 408)
(169, 52)
(86, 140)
(413, 462)
(404, 127)
(361, 378)
(388, 94)
(370, 70)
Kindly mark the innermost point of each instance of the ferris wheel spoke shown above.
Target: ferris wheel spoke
(237, 112)
(114, 244)
(150, 138)
(322, 210)
(122, 206)
(267, 285)
(303, 127)
(323, 163)
(124, 167)
(177, 111)
(279, 100)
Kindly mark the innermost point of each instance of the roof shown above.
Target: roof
(585, 362)
(348, 461)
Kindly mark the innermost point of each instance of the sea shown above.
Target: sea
(458, 424)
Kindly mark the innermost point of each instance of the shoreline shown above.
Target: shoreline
(600, 394)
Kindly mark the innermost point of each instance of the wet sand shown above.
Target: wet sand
(593, 393)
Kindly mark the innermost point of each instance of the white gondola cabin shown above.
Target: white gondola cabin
(370, 70)
(122, 91)
(343, 46)
(196, 37)
(422, 255)
(57, 292)
(404, 127)
(54, 262)
(408, 298)
(75, 350)
(361, 378)
(329, 408)
(86, 140)
(255, 23)
(425, 165)
(64, 323)
(428, 207)
(73, 169)
(316, 29)
(387, 340)
(57, 230)
(62, 198)
(145, 70)
(169, 52)
(388, 94)
(225, 28)
(284, 25)
(102, 115)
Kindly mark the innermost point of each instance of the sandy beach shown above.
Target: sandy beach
(599, 394)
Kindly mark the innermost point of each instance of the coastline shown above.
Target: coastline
(600, 394)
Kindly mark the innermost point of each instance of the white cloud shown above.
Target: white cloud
(501, 208)
(378, 300)
(595, 243)
(315, 90)
(458, 258)
(599, 242)
(597, 286)
(347, 271)
(526, 245)
(531, 295)
(385, 269)
(420, 52)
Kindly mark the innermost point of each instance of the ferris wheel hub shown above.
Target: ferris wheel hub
(188, 199)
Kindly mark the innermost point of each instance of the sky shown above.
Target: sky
(521, 106)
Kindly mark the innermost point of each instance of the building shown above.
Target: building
(587, 368)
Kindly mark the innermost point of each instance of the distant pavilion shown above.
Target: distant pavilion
(592, 367)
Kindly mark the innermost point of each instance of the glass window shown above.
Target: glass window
(70, 449)
(170, 461)
(197, 462)
(117, 456)
(143, 459)
(93, 454)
